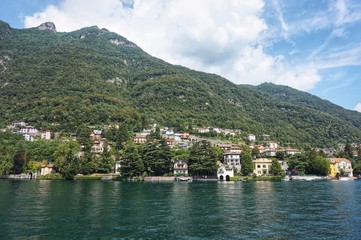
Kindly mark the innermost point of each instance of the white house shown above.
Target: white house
(46, 135)
(225, 172)
(46, 169)
(29, 137)
(232, 159)
(180, 167)
(251, 137)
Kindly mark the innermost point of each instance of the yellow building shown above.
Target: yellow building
(341, 166)
(262, 166)
(333, 169)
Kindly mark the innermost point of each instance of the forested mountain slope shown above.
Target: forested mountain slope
(93, 76)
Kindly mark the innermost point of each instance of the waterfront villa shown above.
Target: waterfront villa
(232, 159)
(180, 167)
(340, 166)
(262, 166)
(225, 172)
(46, 169)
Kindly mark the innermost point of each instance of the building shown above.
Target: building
(139, 139)
(185, 135)
(96, 134)
(180, 167)
(170, 142)
(251, 137)
(341, 166)
(47, 169)
(225, 172)
(100, 145)
(262, 166)
(46, 135)
(232, 159)
(29, 137)
(29, 130)
(269, 152)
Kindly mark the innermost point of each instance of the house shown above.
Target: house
(46, 135)
(232, 158)
(29, 130)
(333, 169)
(291, 151)
(203, 130)
(262, 166)
(177, 136)
(271, 144)
(251, 137)
(47, 169)
(180, 167)
(170, 142)
(17, 124)
(269, 153)
(96, 134)
(225, 172)
(29, 137)
(139, 139)
(100, 145)
(225, 147)
(185, 135)
(341, 166)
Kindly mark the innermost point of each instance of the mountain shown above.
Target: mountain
(60, 80)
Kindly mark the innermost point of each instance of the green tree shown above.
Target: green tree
(203, 159)
(280, 155)
(83, 137)
(6, 157)
(87, 164)
(246, 162)
(298, 162)
(276, 167)
(131, 164)
(66, 161)
(20, 160)
(157, 157)
(318, 165)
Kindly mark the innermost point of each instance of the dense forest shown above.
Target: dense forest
(91, 76)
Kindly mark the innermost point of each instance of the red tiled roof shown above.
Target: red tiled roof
(340, 160)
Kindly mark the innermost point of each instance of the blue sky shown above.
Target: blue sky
(314, 46)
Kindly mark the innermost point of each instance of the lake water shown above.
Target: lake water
(224, 210)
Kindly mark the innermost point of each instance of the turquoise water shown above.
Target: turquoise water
(227, 210)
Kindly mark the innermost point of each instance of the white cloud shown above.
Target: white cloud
(223, 37)
(358, 107)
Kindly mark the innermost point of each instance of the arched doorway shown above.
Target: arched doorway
(221, 177)
(228, 178)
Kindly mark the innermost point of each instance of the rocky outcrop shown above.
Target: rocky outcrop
(47, 26)
(5, 29)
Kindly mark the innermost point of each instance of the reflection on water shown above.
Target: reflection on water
(225, 210)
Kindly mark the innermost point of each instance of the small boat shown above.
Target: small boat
(345, 179)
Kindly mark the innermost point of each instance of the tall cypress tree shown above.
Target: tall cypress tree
(246, 162)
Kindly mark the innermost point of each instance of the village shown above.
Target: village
(229, 164)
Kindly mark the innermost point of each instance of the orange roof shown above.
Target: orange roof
(340, 160)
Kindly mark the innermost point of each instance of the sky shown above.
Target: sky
(313, 46)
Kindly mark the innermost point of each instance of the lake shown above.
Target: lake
(225, 210)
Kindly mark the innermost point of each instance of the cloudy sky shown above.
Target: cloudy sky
(314, 46)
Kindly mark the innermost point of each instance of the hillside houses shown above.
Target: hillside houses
(30, 133)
